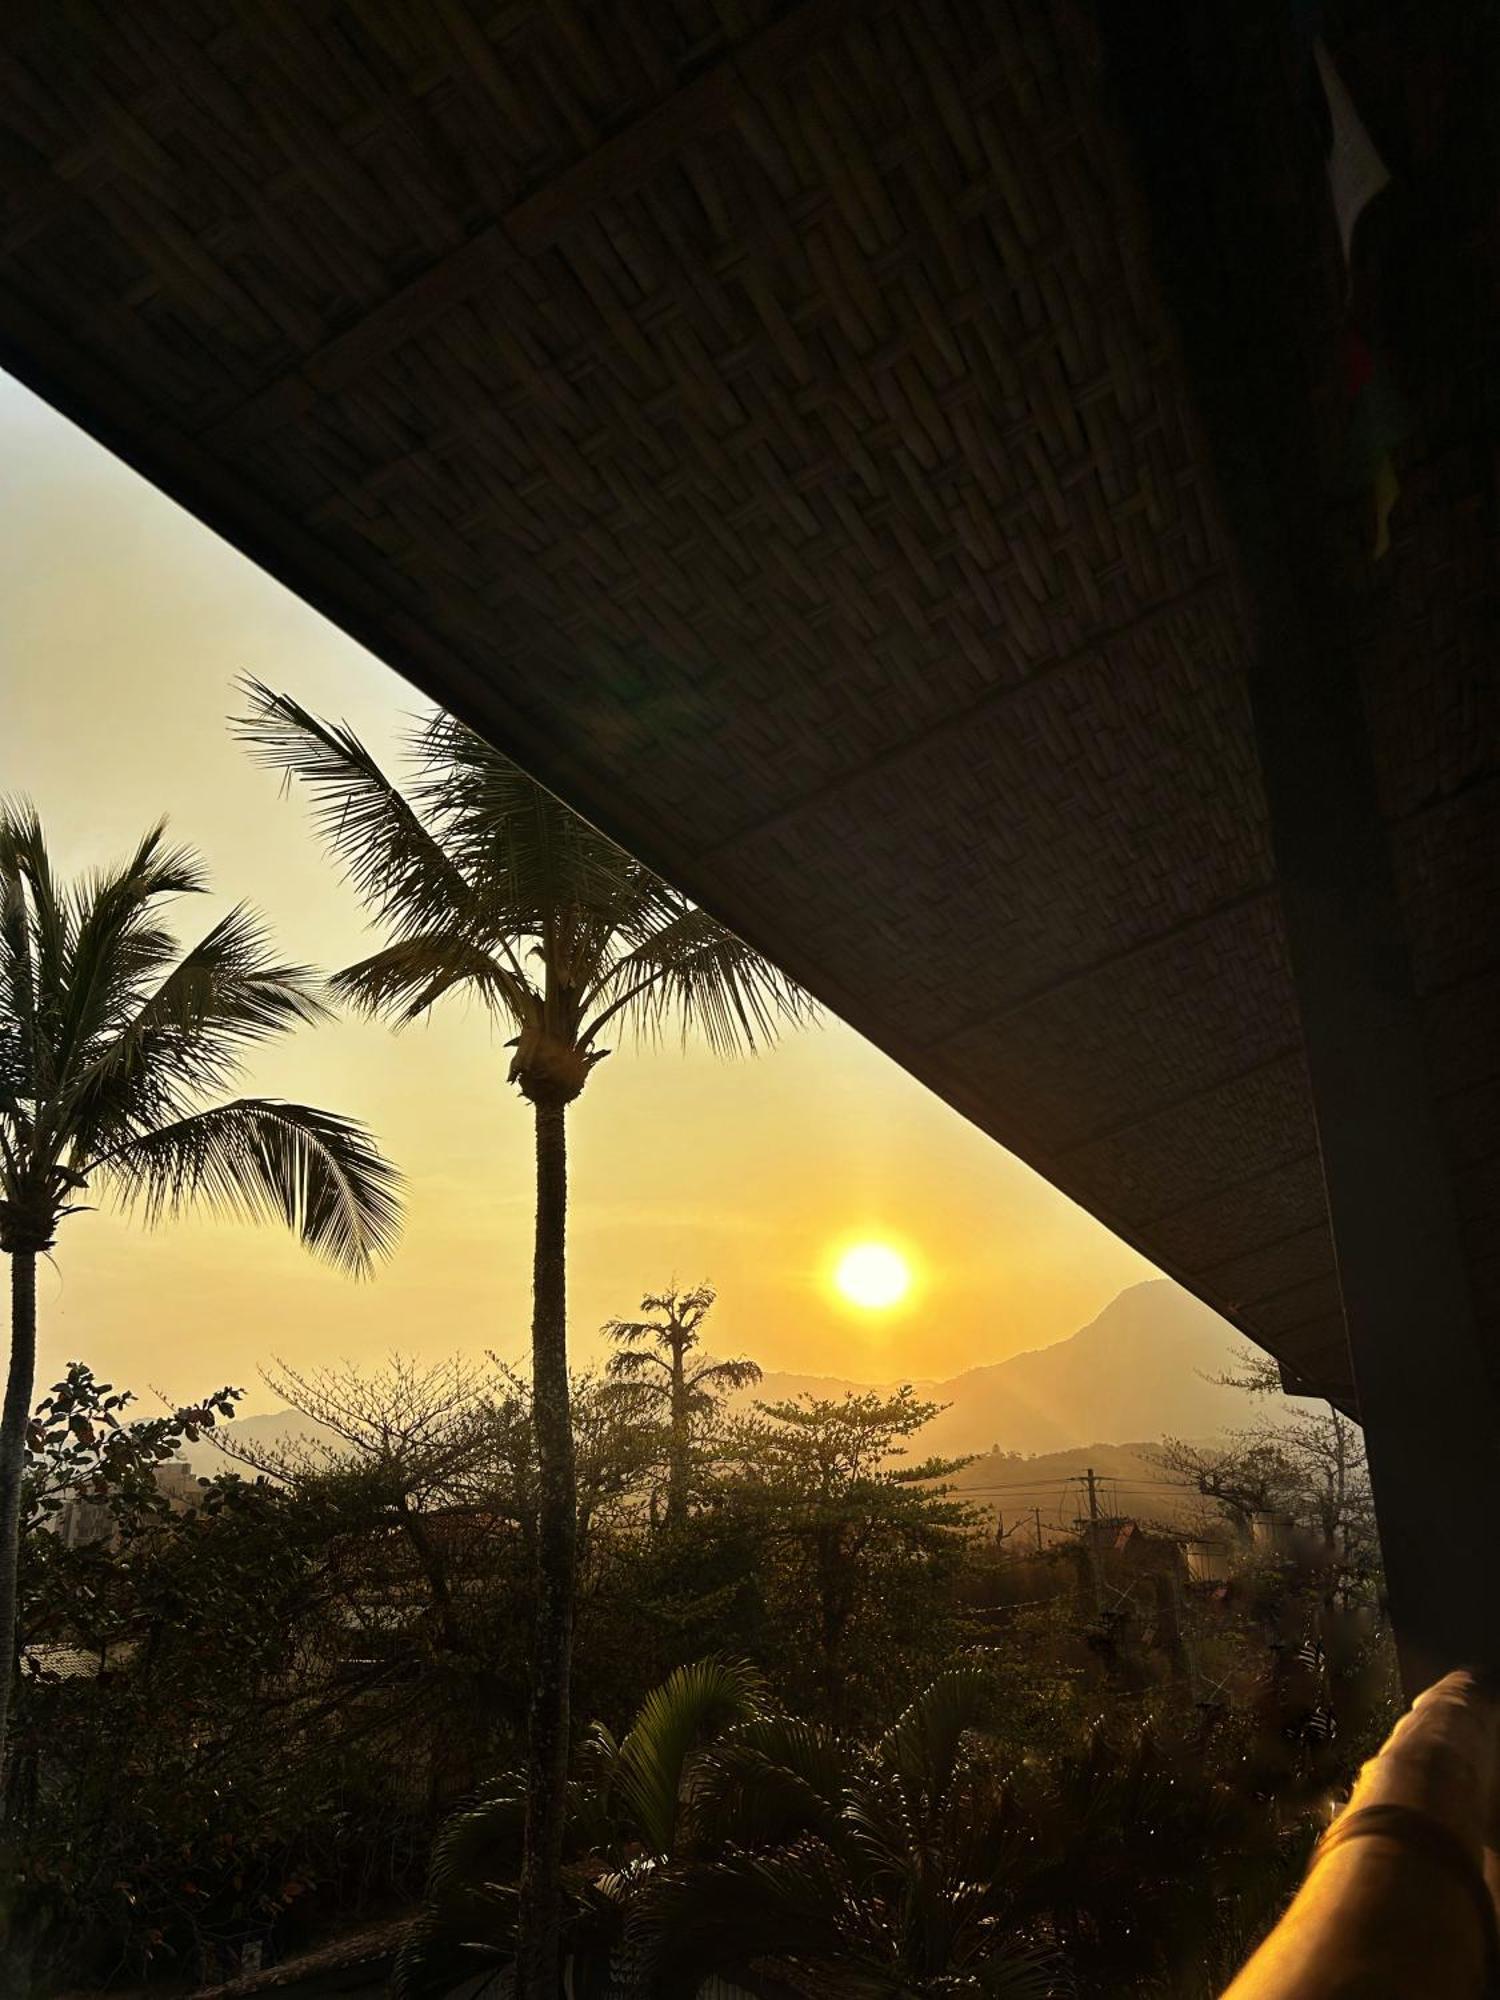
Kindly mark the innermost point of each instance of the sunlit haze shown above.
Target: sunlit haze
(126, 624)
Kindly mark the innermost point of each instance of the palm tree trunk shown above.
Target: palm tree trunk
(538, 1945)
(677, 1465)
(18, 1386)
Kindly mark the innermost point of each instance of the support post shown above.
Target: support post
(1210, 110)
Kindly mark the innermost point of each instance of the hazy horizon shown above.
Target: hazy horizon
(126, 626)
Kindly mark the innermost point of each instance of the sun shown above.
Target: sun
(873, 1275)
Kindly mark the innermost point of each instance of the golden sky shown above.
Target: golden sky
(123, 626)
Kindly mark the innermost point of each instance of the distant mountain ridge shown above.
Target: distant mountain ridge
(1135, 1372)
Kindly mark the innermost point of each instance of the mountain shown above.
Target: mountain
(1134, 1372)
(270, 1432)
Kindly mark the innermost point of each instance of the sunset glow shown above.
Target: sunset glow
(873, 1275)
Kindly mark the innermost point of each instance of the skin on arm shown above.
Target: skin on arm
(1379, 1916)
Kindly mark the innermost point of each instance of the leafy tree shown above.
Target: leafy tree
(150, 1716)
(878, 1874)
(487, 884)
(853, 1525)
(615, 1443)
(112, 1049)
(406, 1434)
(86, 1455)
(655, 1353)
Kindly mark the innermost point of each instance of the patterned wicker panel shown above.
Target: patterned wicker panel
(1266, 1206)
(1183, 1155)
(763, 419)
(1150, 1029)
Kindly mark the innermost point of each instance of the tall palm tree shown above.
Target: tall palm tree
(112, 1049)
(484, 883)
(654, 1352)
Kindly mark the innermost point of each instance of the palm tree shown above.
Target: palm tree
(486, 884)
(630, 1812)
(654, 1352)
(112, 1048)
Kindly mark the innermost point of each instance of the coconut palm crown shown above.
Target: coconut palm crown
(485, 882)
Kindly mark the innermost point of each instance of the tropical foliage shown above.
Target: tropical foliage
(115, 1047)
(244, 1712)
(858, 1535)
(723, 1836)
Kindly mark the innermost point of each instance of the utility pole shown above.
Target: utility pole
(1091, 1541)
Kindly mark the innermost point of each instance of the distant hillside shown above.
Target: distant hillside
(268, 1433)
(1134, 1372)
(1049, 1494)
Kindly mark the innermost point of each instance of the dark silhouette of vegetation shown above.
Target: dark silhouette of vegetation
(114, 1049)
(854, 1528)
(722, 1835)
(248, 1703)
(486, 884)
(654, 1353)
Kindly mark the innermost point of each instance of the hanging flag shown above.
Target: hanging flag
(1379, 419)
(1356, 172)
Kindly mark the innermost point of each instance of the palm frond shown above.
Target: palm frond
(193, 1029)
(27, 869)
(523, 849)
(739, 1373)
(675, 1719)
(73, 962)
(18, 995)
(714, 983)
(481, 1840)
(772, 1779)
(632, 1362)
(399, 866)
(1014, 1971)
(116, 941)
(410, 976)
(258, 1157)
(921, 1747)
(452, 1941)
(792, 1905)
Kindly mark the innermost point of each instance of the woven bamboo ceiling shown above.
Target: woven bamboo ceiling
(766, 421)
